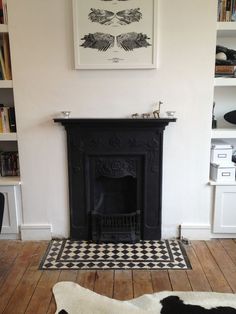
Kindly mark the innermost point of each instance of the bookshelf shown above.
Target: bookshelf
(224, 196)
(9, 184)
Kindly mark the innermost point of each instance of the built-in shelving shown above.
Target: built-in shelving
(222, 183)
(8, 137)
(6, 84)
(224, 81)
(224, 133)
(4, 181)
(226, 29)
(3, 28)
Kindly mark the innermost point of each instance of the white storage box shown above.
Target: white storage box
(221, 153)
(225, 173)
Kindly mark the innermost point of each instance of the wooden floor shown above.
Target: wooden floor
(25, 289)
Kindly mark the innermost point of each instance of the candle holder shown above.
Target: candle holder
(66, 114)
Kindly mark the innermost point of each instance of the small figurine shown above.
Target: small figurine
(156, 113)
(134, 115)
(146, 115)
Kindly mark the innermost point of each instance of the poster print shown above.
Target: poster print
(115, 34)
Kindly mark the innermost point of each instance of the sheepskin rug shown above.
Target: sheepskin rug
(74, 299)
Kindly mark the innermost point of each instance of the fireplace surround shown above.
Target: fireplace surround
(115, 178)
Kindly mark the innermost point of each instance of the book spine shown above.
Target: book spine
(219, 10)
(223, 12)
(5, 15)
(12, 119)
(228, 10)
(7, 59)
(233, 16)
(2, 65)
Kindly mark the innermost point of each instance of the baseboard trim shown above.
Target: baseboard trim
(196, 232)
(36, 232)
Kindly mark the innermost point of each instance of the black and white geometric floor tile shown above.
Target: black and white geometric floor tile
(71, 254)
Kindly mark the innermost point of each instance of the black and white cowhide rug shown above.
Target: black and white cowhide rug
(74, 299)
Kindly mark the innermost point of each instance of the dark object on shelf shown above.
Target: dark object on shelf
(2, 203)
(214, 122)
(230, 117)
(9, 164)
(229, 53)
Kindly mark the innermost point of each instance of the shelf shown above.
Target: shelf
(222, 183)
(223, 133)
(8, 137)
(9, 181)
(6, 84)
(3, 28)
(226, 29)
(224, 81)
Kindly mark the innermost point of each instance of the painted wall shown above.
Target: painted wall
(46, 83)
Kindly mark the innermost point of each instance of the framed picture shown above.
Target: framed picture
(115, 34)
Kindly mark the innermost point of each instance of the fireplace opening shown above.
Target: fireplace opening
(115, 216)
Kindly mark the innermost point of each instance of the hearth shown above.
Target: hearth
(115, 178)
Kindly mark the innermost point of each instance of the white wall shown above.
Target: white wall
(45, 83)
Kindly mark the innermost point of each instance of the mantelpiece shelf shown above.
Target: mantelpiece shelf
(223, 133)
(224, 81)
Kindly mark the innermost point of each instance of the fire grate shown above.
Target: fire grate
(116, 227)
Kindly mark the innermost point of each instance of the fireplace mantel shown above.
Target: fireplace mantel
(162, 122)
(115, 148)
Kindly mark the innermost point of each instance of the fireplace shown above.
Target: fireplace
(115, 178)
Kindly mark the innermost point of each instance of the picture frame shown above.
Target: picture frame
(115, 34)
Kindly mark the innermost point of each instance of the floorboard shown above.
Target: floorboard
(29, 290)
(211, 269)
(123, 285)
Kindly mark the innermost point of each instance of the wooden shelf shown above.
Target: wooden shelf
(223, 133)
(8, 137)
(6, 84)
(9, 181)
(226, 29)
(3, 28)
(224, 81)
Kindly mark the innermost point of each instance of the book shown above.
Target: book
(9, 163)
(233, 15)
(5, 119)
(12, 119)
(223, 11)
(6, 56)
(225, 69)
(228, 10)
(2, 65)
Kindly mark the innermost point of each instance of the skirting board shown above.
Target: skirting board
(36, 232)
(196, 232)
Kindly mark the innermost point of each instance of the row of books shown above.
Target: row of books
(225, 71)
(7, 119)
(9, 164)
(3, 12)
(5, 60)
(226, 11)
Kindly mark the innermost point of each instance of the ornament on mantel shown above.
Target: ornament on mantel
(157, 111)
(65, 114)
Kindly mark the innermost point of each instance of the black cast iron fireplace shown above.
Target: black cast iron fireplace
(115, 178)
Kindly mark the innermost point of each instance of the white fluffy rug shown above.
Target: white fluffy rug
(74, 299)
